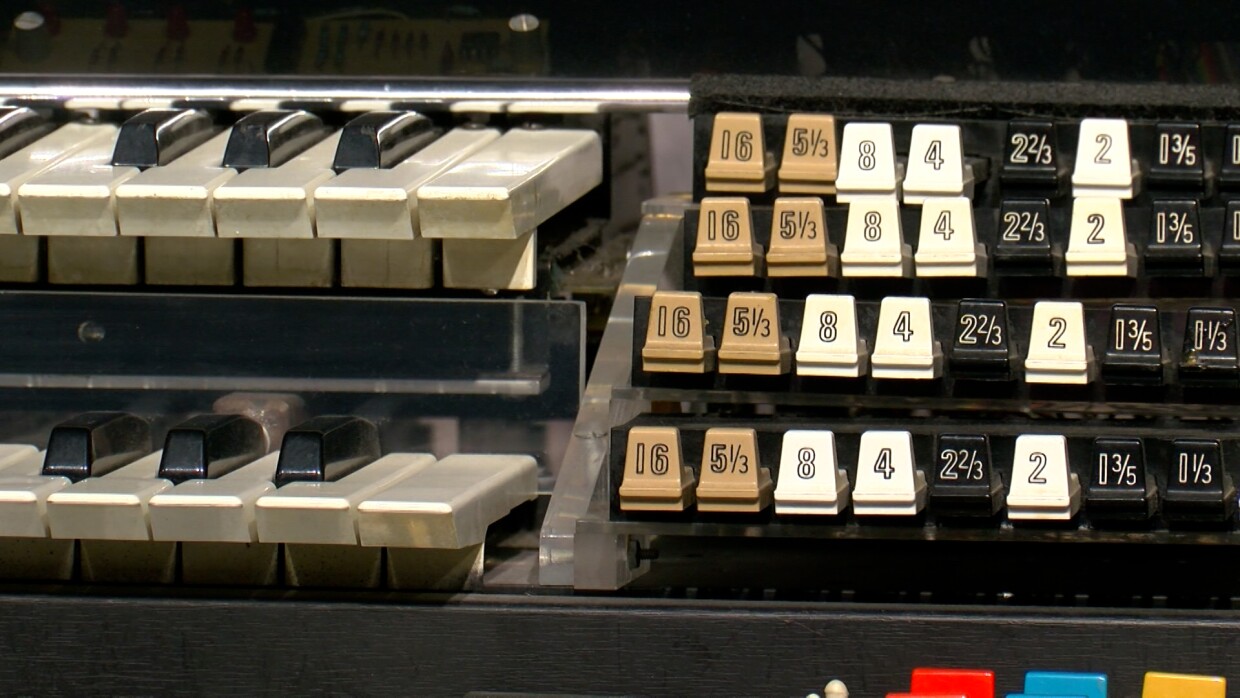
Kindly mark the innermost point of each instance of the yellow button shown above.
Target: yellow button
(799, 243)
(1160, 685)
(810, 156)
(655, 477)
(725, 245)
(752, 341)
(733, 478)
(676, 341)
(738, 160)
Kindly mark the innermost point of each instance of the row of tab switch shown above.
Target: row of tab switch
(980, 683)
(950, 243)
(863, 161)
(907, 334)
(214, 482)
(965, 481)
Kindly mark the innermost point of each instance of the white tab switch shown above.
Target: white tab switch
(810, 480)
(905, 347)
(830, 344)
(888, 480)
(873, 240)
(867, 162)
(1058, 350)
(1097, 241)
(1043, 485)
(936, 164)
(1104, 165)
(947, 245)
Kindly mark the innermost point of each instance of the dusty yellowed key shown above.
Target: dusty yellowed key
(725, 245)
(733, 478)
(799, 244)
(738, 160)
(676, 339)
(655, 476)
(752, 341)
(809, 164)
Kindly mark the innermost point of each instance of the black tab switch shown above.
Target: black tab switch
(19, 127)
(326, 449)
(980, 347)
(964, 482)
(1031, 155)
(95, 443)
(1198, 488)
(381, 139)
(271, 138)
(1229, 250)
(1023, 246)
(1118, 487)
(1229, 173)
(1175, 158)
(1133, 354)
(1174, 246)
(158, 136)
(1209, 355)
(210, 445)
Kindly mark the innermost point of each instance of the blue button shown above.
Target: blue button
(1063, 684)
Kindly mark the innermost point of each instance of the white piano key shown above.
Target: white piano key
(76, 196)
(1043, 488)
(25, 164)
(830, 344)
(509, 187)
(275, 202)
(810, 479)
(110, 507)
(947, 245)
(491, 264)
(387, 263)
(1104, 165)
(23, 497)
(450, 504)
(936, 164)
(381, 204)
(214, 511)
(73, 259)
(326, 512)
(12, 454)
(175, 200)
(889, 483)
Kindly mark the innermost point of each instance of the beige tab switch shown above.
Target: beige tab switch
(725, 245)
(752, 341)
(738, 160)
(676, 338)
(799, 243)
(655, 476)
(733, 478)
(809, 164)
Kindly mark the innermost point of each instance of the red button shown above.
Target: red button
(969, 683)
(924, 695)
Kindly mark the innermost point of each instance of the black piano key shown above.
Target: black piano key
(1198, 488)
(210, 445)
(158, 136)
(1174, 246)
(1118, 487)
(1133, 354)
(381, 139)
(1209, 355)
(325, 449)
(980, 342)
(964, 482)
(19, 127)
(271, 138)
(96, 443)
